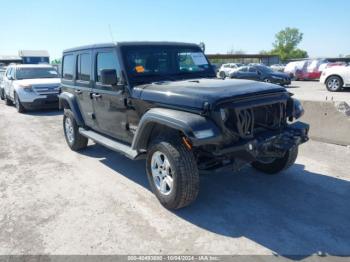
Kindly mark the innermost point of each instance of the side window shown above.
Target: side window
(243, 69)
(105, 60)
(84, 67)
(252, 70)
(68, 67)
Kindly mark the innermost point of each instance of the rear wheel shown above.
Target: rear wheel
(334, 83)
(266, 80)
(172, 173)
(275, 166)
(71, 131)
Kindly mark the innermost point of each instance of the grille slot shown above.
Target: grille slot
(246, 122)
(46, 90)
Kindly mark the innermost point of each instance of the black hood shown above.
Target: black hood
(193, 93)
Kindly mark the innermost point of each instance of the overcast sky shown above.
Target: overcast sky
(223, 25)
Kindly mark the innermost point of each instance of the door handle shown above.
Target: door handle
(78, 92)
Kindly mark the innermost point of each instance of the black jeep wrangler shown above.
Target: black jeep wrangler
(163, 102)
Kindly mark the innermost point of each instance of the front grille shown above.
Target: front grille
(46, 90)
(246, 122)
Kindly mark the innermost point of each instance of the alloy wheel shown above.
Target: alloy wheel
(333, 84)
(162, 173)
(68, 126)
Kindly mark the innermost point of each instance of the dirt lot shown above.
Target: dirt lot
(315, 91)
(55, 201)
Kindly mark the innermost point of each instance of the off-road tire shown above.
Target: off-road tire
(278, 164)
(18, 104)
(184, 172)
(79, 142)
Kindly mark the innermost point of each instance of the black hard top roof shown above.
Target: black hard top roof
(106, 45)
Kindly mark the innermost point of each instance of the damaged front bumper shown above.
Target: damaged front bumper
(271, 144)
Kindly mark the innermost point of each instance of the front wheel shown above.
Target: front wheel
(18, 104)
(277, 165)
(172, 173)
(74, 139)
(334, 83)
(266, 80)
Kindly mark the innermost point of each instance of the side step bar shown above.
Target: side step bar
(111, 144)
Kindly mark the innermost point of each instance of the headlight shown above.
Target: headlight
(298, 110)
(224, 114)
(204, 133)
(27, 88)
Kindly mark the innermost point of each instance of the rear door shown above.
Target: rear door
(109, 102)
(253, 73)
(76, 74)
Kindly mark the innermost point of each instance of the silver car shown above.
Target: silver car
(31, 87)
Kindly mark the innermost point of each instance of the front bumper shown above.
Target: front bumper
(269, 144)
(42, 102)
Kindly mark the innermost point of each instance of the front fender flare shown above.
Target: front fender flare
(70, 99)
(189, 124)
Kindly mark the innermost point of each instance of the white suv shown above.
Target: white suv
(31, 86)
(335, 78)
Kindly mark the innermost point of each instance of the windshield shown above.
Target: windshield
(35, 73)
(146, 64)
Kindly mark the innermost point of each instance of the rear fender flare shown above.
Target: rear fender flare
(68, 100)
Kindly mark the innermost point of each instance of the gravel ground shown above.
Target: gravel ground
(55, 201)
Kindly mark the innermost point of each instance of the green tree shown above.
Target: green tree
(56, 62)
(286, 43)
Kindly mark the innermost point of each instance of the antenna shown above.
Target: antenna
(110, 32)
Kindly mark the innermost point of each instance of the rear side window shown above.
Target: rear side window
(68, 67)
(105, 60)
(84, 67)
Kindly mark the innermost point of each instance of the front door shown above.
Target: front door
(109, 102)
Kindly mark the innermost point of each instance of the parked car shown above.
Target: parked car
(31, 87)
(2, 91)
(162, 101)
(226, 69)
(292, 67)
(261, 73)
(278, 67)
(336, 78)
(305, 70)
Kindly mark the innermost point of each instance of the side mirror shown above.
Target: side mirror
(109, 77)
